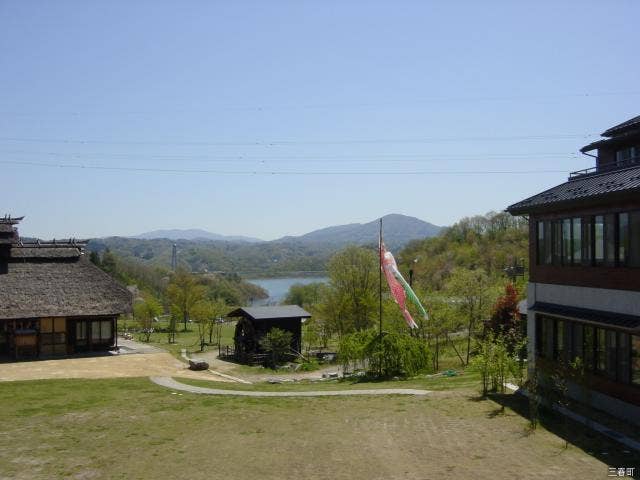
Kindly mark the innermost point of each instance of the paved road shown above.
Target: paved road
(173, 384)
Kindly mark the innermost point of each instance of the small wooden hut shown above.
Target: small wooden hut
(53, 301)
(255, 322)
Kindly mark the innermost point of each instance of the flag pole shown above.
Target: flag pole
(380, 297)
(380, 279)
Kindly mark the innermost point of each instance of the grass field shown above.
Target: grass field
(188, 339)
(131, 428)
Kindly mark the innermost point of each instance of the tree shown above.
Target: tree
(471, 291)
(304, 295)
(352, 295)
(145, 311)
(214, 324)
(109, 264)
(277, 343)
(94, 258)
(441, 322)
(390, 355)
(184, 292)
(202, 313)
(505, 319)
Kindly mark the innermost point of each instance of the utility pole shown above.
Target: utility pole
(174, 257)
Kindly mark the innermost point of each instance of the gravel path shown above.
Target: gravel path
(175, 385)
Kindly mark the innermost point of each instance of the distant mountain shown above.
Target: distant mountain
(398, 230)
(193, 234)
(203, 251)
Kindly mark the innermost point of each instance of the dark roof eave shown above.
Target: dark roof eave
(621, 138)
(571, 203)
(630, 323)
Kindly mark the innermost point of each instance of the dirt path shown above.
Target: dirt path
(261, 375)
(108, 366)
(175, 385)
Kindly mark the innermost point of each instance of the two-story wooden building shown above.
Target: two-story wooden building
(584, 290)
(53, 301)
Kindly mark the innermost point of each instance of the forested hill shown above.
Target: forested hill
(306, 253)
(398, 231)
(266, 258)
(490, 242)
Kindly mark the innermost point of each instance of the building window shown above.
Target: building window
(601, 350)
(557, 242)
(81, 332)
(623, 238)
(566, 242)
(633, 255)
(610, 239)
(587, 239)
(588, 347)
(576, 240)
(598, 239)
(559, 340)
(623, 357)
(627, 156)
(635, 359)
(577, 342)
(101, 331)
(53, 336)
(612, 350)
(540, 247)
(547, 332)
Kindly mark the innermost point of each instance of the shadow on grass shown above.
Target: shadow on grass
(576, 434)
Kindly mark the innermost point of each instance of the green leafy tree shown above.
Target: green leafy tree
(184, 292)
(305, 295)
(94, 257)
(109, 263)
(202, 313)
(219, 308)
(277, 343)
(145, 311)
(472, 292)
(393, 354)
(352, 297)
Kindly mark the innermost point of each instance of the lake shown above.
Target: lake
(277, 288)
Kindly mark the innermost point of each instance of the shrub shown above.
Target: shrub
(277, 343)
(494, 363)
(393, 354)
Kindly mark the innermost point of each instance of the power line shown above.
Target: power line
(284, 158)
(303, 142)
(276, 172)
(409, 102)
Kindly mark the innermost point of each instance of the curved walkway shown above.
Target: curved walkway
(175, 385)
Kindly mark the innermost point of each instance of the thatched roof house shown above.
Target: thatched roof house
(53, 301)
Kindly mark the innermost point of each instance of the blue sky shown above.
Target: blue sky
(332, 91)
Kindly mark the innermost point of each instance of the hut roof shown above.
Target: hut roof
(43, 282)
(264, 313)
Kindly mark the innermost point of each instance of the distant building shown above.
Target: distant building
(584, 290)
(255, 322)
(53, 301)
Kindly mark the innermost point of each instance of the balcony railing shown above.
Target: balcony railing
(607, 167)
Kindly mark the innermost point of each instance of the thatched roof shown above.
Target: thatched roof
(43, 282)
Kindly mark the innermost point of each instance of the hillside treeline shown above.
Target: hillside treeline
(154, 280)
(489, 242)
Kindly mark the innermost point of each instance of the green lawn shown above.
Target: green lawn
(468, 381)
(134, 429)
(188, 339)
